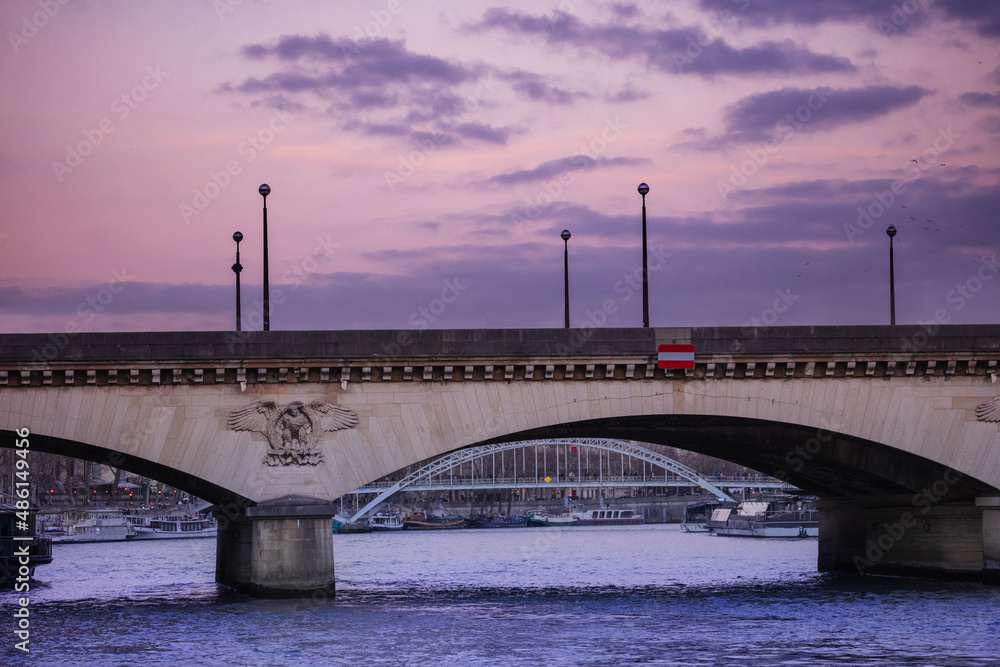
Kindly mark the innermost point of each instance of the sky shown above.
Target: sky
(423, 159)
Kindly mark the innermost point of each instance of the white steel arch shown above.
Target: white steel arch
(457, 458)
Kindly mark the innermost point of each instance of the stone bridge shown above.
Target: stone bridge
(895, 428)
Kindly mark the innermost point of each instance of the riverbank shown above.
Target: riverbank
(669, 509)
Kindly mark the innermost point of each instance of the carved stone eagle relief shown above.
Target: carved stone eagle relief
(989, 411)
(293, 432)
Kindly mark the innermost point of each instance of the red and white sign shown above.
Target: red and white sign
(676, 356)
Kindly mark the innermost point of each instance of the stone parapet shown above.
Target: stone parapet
(433, 346)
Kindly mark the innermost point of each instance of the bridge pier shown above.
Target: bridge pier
(279, 548)
(906, 538)
(990, 506)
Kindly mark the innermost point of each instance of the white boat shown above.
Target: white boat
(696, 516)
(385, 521)
(98, 526)
(774, 518)
(546, 518)
(175, 527)
(138, 521)
(610, 517)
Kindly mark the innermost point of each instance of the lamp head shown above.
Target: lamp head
(238, 236)
(891, 231)
(264, 190)
(565, 235)
(643, 189)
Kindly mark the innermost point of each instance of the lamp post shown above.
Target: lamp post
(565, 237)
(891, 231)
(264, 191)
(644, 190)
(237, 268)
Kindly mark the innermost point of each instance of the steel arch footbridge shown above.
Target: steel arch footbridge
(438, 475)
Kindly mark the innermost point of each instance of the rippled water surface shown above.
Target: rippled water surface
(588, 596)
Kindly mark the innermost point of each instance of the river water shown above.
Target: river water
(535, 596)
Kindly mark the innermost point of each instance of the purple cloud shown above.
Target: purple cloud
(420, 94)
(483, 132)
(974, 99)
(776, 115)
(535, 88)
(676, 50)
(375, 63)
(553, 168)
(886, 16)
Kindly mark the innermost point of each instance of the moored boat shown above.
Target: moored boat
(385, 521)
(785, 517)
(612, 517)
(106, 525)
(697, 516)
(420, 521)
(174, 527)
(496, 521)
(343, 527)
(544, 517)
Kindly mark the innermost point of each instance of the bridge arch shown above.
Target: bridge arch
(179, 479)
(815, 458)
(462, 456)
